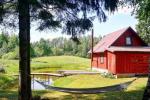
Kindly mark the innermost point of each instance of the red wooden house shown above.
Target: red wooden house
(121, 52)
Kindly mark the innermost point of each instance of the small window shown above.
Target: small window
(101, 58)
(128, 41)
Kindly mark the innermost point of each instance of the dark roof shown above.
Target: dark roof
(129, 49)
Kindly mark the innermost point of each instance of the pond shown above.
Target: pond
(37, 86)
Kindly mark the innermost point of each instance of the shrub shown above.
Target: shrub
(108, 75)
(10, 55)
(2, 70)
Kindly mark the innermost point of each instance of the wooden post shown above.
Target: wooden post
(92, 48)
(45, 79)
(48, 80)
(33, 81)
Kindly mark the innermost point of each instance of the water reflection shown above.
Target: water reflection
(37, 86)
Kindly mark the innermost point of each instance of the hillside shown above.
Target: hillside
(49, 64)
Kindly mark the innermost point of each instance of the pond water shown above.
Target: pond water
(37, 86)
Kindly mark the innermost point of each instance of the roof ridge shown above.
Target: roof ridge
(109, 39)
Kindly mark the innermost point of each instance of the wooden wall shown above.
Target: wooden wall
(132, 62)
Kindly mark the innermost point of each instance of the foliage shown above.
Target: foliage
(9, 46)
(142, 14)
(55, 47)
(143, 27)
(108, 75)
(5, 80)
(11, 55)
(73, 16)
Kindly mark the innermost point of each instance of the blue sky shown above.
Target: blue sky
(120, 19)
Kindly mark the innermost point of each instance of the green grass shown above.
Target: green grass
(49, 64)
(134, 92)
(7, 81)
(55, 63)
(88, 81)
(11, 66)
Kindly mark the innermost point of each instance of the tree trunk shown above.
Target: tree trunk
(146, 95)
(24, 50)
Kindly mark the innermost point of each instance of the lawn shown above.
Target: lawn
(88, 81)
(55, 63)
(134, 92)
(49, 64)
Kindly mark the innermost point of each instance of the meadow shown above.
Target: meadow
(56, 63)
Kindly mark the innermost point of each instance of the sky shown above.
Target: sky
(120, 19)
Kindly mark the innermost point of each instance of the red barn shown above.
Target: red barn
(121, 52)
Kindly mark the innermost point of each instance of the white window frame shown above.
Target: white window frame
(128, 40)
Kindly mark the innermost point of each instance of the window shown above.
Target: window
(128, 41)
(101, 58)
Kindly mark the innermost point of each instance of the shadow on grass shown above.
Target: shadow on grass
(8, 95)
(52, 95)
(122, 95)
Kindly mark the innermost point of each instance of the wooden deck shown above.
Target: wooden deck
(45, 74)
(74, 72)
(62, 73)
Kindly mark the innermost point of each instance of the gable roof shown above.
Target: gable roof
(108, 40)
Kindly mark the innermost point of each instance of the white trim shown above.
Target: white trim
(100, 70)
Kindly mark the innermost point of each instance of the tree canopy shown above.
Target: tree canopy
(55, 47)
(73, 16)
(143, 15)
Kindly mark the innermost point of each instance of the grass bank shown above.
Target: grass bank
(49, 64)
(88, 81)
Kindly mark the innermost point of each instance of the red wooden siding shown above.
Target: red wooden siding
(136, 41)
(129, 62)
(96, 60)
(111, 62)
(120, 58)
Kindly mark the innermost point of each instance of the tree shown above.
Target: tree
(142, 14)
(41, 48)
(72, 15)
(3, 49)
(3, 38)
(13, 41)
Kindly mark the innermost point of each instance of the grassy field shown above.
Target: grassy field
(49, 64)
(53, 64)
(134, 92)
(88, 81)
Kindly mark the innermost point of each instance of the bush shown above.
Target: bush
(2, 70)
(10, 55)
(108, 75)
